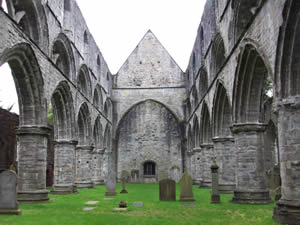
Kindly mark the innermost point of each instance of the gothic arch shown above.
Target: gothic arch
(62, 56)
(29, 83)
(218, 54)
(30, 16)
(84, 81)
(196, 131)
(195, 96)
(249, 86)
(222, 113)
(205, 125)
(98, 133)
(107, 138)
(288, 79)
(84, 125)
(63, 111)
(243, 10)
(203, 83)
(98, 98)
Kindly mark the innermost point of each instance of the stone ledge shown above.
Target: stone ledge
(33, 130)
(251, 197)
(247, 127)
(84, 147)
(65, 142)
(10, 211)
(223, 139)
(287, 212)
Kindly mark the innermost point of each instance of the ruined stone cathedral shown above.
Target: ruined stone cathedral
(152, 117)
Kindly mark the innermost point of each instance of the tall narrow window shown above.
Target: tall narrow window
(149, 169)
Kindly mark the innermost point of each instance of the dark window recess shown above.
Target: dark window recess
(149, 169)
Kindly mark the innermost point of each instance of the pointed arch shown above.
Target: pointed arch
(203, 83)
(29, 83)
(63, 111)
(107, 137)
(243, 12)
(84, 81)
(249, 86)
(288, 82)
(31, 17)
(98, 133)
(205, 125)
(196, 131)
(218, 54)
(195, 96)
(62, 56)
(98, 98)
(84, 125)
(222, 113)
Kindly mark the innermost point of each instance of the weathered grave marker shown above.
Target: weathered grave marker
(167, 190)
(124, 177)
(8, 193)
(186, 187)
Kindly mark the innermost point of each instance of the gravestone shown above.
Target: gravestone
(111, 184)
(138, 204)
(124, 178)
(167, 190)
(8, 193)
(215, 194)
(186, 187)
(134, 176)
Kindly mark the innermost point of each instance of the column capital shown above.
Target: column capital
(222, 139)
(65, 142)
(206, 145)
(33, 130)
(246, 127)
(85, 147)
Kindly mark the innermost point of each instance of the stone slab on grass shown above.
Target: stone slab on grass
(89, 208)
(189, 205)
(138, 204)
(91, 202)
(120, 209)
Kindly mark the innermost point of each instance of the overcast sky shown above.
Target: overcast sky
(118, 26)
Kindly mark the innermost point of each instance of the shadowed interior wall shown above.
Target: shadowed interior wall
(149, 132)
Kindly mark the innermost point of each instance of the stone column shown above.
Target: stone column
(189, 156)
(111, 175)
(251, 184)
(32, 143)
(64, 167)
(287, 210)
(196, 166)
(84, 166)
(97, 163)
(226, 160)
(215, 194)
(205, 161)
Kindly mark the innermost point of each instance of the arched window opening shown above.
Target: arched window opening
(60, 58)
(98, 60)
(67, 5)
(85, 37)
(149, 169)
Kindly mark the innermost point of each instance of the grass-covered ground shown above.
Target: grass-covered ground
(68, 209)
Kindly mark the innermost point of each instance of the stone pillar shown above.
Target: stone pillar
(111, 176)
(205, 161)
(97, 163)
(287, 210)
(215, 194)
(196, 167)
(189, 156)
(226, 160)
(32, 143)
(64, 167)
(251, 184)
(84, 166)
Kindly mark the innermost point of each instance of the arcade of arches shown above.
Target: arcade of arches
(151, 117)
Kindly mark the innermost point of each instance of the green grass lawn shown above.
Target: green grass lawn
(68, 209)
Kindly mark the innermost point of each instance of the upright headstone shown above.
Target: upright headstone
(186, 187)
(8, 193)
(215, 194)
(124, 179)
(167, 190)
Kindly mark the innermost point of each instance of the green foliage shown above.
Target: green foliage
(67, 209)
(50, 115)
(268, 89)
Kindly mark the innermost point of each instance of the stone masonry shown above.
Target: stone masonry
(151, 116)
